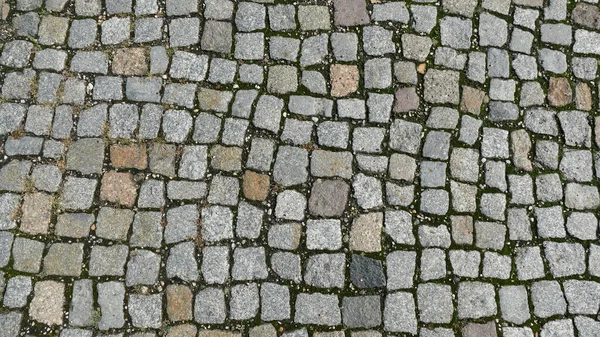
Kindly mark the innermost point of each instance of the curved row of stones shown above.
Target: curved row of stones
(217, 168)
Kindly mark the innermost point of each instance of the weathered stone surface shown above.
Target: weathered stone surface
(129, 156)
(356, 168)
(586, 15)
(130, 61)
(328, 198)
(344, 79)
(47, 304)
(559, 91)
(118, 188)
(350, 13)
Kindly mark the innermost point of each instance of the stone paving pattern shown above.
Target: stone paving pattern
(217, 168)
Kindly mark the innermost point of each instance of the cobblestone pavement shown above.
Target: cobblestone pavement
(217, 168)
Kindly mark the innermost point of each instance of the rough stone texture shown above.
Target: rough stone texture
(276, 168)
(47, 304)
(441, 86)
(350, 13)
(559, 91)
(328, 198)
(344, 80)
(318, 309)
(118, 188)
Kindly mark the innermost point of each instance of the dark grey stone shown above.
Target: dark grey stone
(366, 272)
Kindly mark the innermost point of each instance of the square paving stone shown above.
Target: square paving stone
(249, 264)
(344, 46)
(244, 302)
(361, 311)
(441, 86)
(317, 309)
(118, 6)
(181, 7)
(366, 272)
(218, 9)
(83, 33)
(143, 268)
(287, 266)
(328, 197)
(184, 32)
(313, 17)
(365, 232)
(209, 306)
(108, 261)
(480, 330)
(476, 300)
(16, 292)
(217, 36)
(123, 120)
(148, 30)
(547, 299)
(47, 303)
(565, 259)
(399, 313)
(16, 54)
(74, 225)
(53, 30)
(215, 264)
(217, 223)
(250, 16)
(282, 79)
(179, 302)
(36, 212)
(78, 193)
(316, 266)
(282, 48)
(118, 188)
(64, 259)
(435, 303)
(145, 310)
(113, 223)
(323, 235)
(111, 298)
(27, 255)
(86, 156)
(181, 262)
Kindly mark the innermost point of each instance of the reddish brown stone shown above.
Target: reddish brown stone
(129, 156)
(559, 92)
(406, 100)
(479, 330)
(462, 229)
(179, 302)
(183, 330)
(119, 188)
(256, 186)
(344, 79)
(472, 99)
(130, 61)
(521, 146)
(583, 97)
